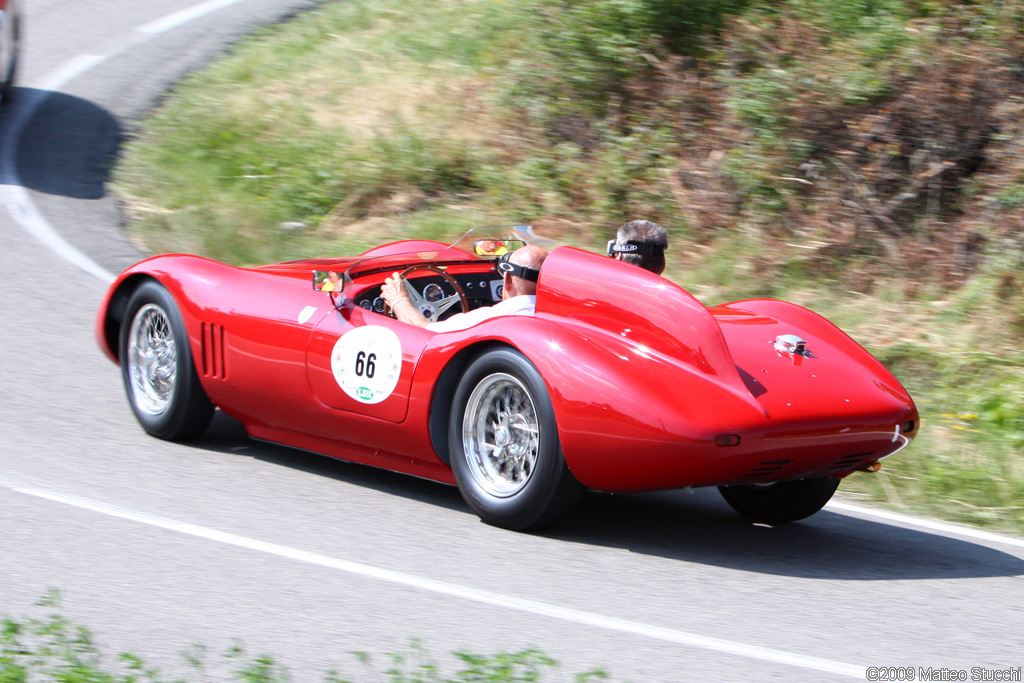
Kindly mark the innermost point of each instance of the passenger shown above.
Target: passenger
(520, 270)
(641, 243)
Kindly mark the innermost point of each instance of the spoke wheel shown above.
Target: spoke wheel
(157, 368)
(152, 360)
(505, 452)
(500, 435)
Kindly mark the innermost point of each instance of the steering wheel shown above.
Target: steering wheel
(421, 301)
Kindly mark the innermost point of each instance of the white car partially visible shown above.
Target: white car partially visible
(10, 45)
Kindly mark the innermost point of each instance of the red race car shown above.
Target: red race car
(621, 381)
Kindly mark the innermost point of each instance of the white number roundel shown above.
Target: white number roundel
(366, 363)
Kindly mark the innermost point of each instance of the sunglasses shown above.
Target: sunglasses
(505, 266)
(634, 247)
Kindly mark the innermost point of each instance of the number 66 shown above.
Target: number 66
(366, 363)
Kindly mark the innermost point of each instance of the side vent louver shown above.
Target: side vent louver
(213, 352)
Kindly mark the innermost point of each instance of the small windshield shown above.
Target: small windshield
(479, 244)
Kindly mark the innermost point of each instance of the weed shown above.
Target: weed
(53, 648)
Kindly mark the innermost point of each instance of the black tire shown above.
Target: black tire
(157, 368)
(785, 501)
(529, 485)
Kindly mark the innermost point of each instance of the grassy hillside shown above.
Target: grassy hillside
(863, 158)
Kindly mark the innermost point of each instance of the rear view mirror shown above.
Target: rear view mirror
(496, 247)
(327, 281)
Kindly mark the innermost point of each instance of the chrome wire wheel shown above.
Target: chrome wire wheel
(501, 435)
(152, 360)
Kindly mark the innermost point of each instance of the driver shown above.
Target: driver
(492, 248)
(519, 270)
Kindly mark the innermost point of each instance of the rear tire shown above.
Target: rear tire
(157, 368)
(784, 501)
(504, 445)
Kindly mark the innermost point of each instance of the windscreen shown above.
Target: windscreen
(486, 243)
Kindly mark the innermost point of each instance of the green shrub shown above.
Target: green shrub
(52, 648)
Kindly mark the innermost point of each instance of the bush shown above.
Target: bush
(52, 648)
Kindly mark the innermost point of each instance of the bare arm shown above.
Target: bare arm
(394, 293)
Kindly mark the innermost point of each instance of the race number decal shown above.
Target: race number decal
(366, 363)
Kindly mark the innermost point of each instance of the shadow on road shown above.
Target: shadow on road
(700, 527)
(227, 435)
(694, 527)
(68, 147)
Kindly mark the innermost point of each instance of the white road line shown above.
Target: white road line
(71, 69)
(925, 523)
(25, 212)
(184, 16)
(12, 191)
(473, 594)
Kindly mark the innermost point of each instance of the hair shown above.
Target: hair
(644, 232)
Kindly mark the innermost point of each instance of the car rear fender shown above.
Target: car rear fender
(646, 311)
(607, 396)
(440, 406)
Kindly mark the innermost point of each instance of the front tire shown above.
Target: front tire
(505, 451)
(784, 501)
(157, 368)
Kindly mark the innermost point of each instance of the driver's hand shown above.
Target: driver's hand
(393, 290)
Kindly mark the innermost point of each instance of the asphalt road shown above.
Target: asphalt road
(156, 546)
